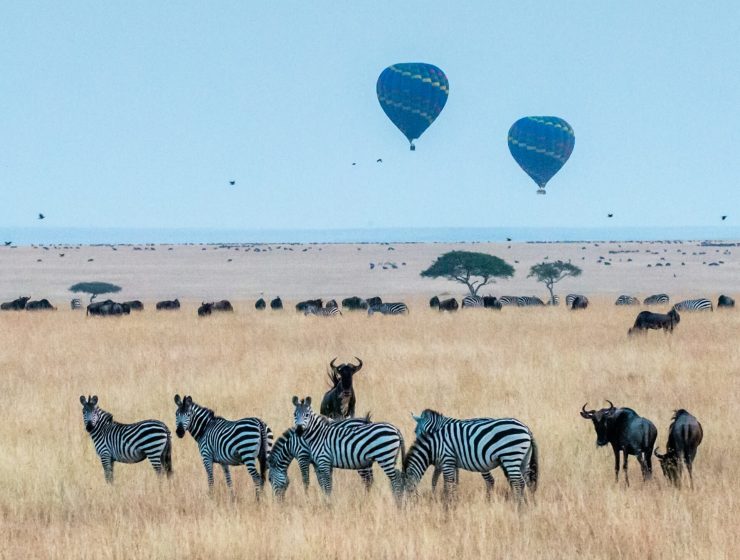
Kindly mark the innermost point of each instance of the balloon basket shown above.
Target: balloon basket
(412, 147)
(541, 191)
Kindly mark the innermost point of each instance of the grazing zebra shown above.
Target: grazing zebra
(656, 299)
(529, 301)
(477, 445)
(472, 301)
(331, 310)
(226, 442)
(508, 300)
(571, 297)
(701, 304)
(554, 300)
(75, 304)
(388, 309)
(346, 445)
(627, 300)
(290, 446)
(126, 443)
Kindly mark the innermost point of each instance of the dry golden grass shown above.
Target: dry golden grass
(539, 365)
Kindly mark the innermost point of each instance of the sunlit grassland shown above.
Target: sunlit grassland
(538, 365)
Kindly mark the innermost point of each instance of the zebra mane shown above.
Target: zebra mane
(105, 416)
(414, 449)
(280, 442)
(432, 412)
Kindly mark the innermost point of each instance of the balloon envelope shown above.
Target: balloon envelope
(541, 146)
(412, 94)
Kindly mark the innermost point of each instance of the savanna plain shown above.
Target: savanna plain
(538, 365)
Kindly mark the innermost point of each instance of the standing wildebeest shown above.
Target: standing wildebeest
(434, 302)
(303, 306)
(725, 301)
(684, 436)
(205, 309)
(649, 320)
(339, 401)
(107, 307)
(39, 305)
(491, 302)
(373, 301)
(168, 305)
(134, 305)
(223, 305)
(276, 304)
(15, 305)
(354, 303)
(260, 304)
(448, 305)
(626, 432)
(579, 302)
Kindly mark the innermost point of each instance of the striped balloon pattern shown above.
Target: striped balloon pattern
(413, 95)
(541, 146)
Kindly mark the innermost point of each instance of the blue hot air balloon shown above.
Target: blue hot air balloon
(412, 94)
(541, 146)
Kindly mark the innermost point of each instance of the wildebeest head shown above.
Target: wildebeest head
(342, 375)
(183, 414)
(673, 314)
(90, 411)
(302, 415)
(670, 466)
(600, 418)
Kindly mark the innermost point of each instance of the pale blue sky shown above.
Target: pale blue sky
(138, 115)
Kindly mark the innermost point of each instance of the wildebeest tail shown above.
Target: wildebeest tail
(533, 469)
(265, 448)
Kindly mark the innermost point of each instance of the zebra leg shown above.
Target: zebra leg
(324, 474)
(388, 465)
(516, 481)
(208, 465)
(367, 477)
(488, 479)
(256, 477)
(450, 475)
(107, 468)
(304, 465)
(435, 477)
(227, 475)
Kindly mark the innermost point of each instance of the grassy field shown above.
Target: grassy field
(539, 365)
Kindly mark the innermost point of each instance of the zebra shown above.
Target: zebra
(472, 301)
(627, 300)
(477, 445)
(554, 300)
(701, 304)
(126, 443)
(226, 442)
(345, 445)
(328, 311)
(290, 446)
(529, 301)
(571, 297)
(508, 300)
(75, 303)
(399, 308)
(656, 299)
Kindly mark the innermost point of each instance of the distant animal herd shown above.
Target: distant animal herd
(333, 438)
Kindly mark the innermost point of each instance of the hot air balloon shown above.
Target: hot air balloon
(541, 146)
(412, 94)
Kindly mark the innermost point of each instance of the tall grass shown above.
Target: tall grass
(538, 365)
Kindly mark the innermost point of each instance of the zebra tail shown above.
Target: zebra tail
(265, 448)
(167, 456)
(533, 469)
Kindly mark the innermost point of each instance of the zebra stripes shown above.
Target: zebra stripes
(225, 442)
(388, 309)
(656, 299)
(328, 311)
(126, 443)
(346, 445)
(521, 301)
(701, 304)
(472, 301)
(627, 300)
(570, 298)
(75, 303)
(477, 445)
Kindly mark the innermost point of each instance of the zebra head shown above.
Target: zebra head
(183, 414)
(420, 423)
(429, 422)
(278, 463)
(303, 414)
(90, 412)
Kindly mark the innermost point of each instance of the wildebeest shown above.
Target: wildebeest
(434, 302)
(276, 304)
(223, 305)
(354, 303)
(579, 302)
(105, 308)
(684, 436)
(134, 305)
(626, 432)
(303, 306)
(15, 305)
(40, 305)
(491, 302)
(168, 305)
(205, 309)
(649, 320)
(339, 401)
(448, 305)
(260, 304)
(725, 301)
(373, 301)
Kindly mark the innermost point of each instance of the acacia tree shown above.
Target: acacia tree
(550, 273)
(94, 289)
(475, 270)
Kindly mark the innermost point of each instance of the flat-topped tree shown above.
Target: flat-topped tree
(550, 273)
(475, 270)
(94, 289)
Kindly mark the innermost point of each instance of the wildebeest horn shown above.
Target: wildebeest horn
(584, 412)
(332, 363)
(658, 455)
(611, 404)
(358, 367)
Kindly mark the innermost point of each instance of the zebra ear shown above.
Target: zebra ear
(295, 400)
(188, 400)
(94, 400)
(82, 400)
(308, 401)
(178, 400)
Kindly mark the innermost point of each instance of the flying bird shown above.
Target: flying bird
(41, 216)
(354, 163)
(724, 218)
(232, 183)
(379, 160)
(508, 239)
(610, 215)
(8, 243)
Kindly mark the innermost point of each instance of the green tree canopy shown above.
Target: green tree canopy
(550, 273)
(475, 270)
(94, 288)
